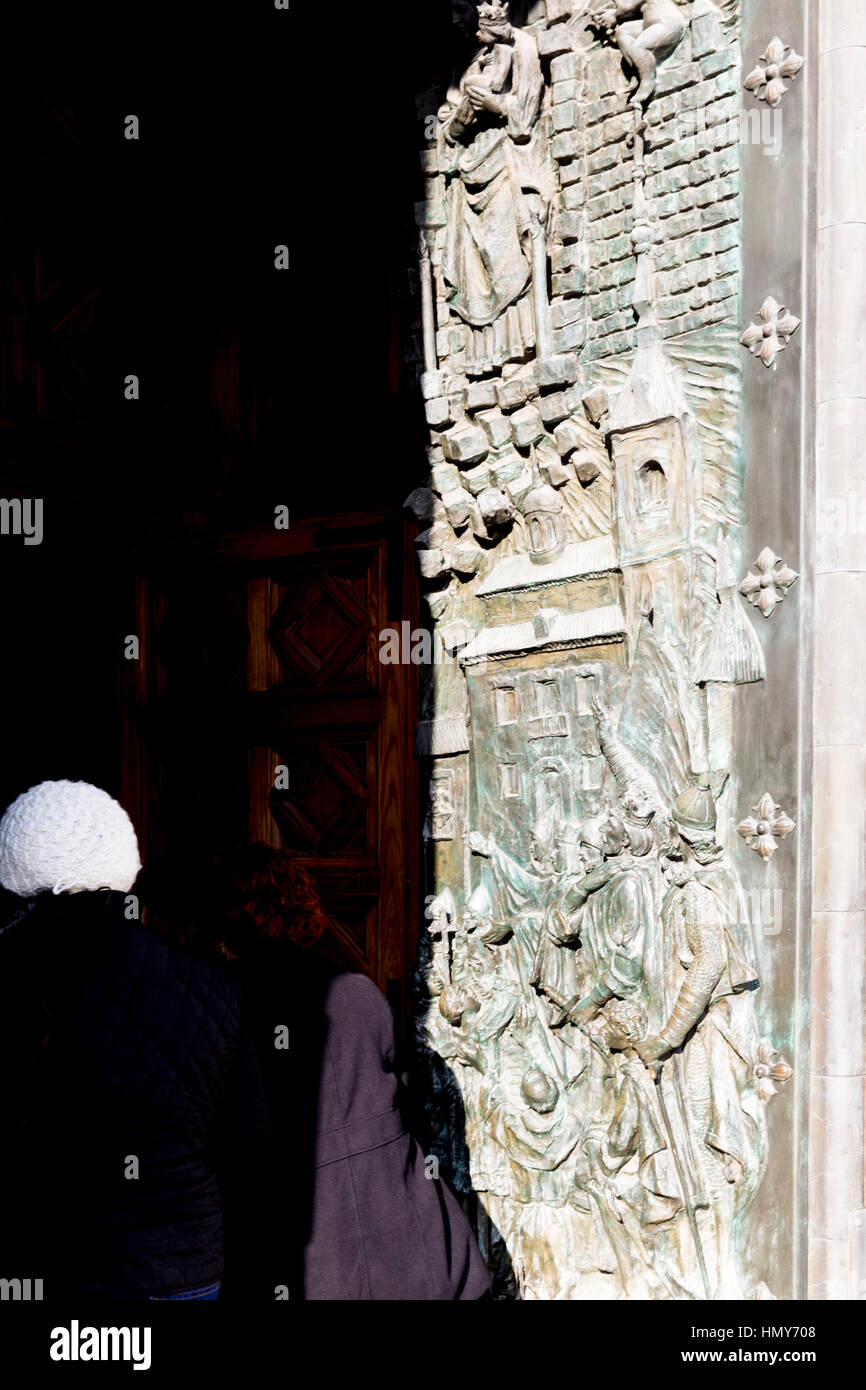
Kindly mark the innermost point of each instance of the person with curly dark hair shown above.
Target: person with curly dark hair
(349, 1209)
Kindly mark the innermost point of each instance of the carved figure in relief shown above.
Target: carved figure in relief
(533, 1123)
(636, 1188)
(603, 1169)
(684, 1156)
(439, 822)
(431, 984)
(646, 31)
(611, 909)
(490, 149)
(709, 1032)
(587, 986)
(528, 900)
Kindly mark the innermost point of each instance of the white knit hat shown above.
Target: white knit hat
(67, 837)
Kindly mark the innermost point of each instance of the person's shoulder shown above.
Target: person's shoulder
(351, 991)
(355, 1008)
(359, 1020)
(522, 42)
(626, 886)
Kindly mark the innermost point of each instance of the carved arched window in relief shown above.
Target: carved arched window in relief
(547, 696)
(547, 792)
(652, 486)
(591, 773)
(509, 779)
(506, 704)
(542, 534)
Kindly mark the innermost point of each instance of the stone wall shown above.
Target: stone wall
(693, 186)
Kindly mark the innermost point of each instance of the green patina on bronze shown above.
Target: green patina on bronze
(588, 988)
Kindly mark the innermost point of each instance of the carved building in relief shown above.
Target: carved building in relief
(589, 1007)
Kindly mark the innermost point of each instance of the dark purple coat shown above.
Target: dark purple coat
(351, 1214)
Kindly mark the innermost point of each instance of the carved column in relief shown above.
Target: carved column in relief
(589, 992)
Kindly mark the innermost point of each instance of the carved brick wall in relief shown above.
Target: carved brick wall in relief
(589, 1005)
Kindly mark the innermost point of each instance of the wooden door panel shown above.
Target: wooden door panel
(328, 811)
(321, 627)
(311, 696)
(323, 706)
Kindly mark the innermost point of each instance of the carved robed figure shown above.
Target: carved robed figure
(491, 149)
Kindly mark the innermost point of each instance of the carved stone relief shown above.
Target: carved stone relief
(770, 337)
(766, 79)
(588, 1002)
(767, 582)
(765, 826)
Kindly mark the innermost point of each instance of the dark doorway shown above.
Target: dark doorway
(257, 389)
(260, 710)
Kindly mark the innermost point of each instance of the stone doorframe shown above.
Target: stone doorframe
(835, 239)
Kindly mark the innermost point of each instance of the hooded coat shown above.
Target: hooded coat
(353, 1212)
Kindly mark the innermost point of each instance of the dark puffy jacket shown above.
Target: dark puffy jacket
(353, 1211)
(119, 1055)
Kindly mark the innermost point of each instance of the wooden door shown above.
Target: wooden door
(312, 707)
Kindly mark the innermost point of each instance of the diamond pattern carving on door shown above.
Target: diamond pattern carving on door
(325, 810)
(352, 922)
(322, 705)
(321, 626)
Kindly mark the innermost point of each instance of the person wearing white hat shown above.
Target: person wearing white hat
(121, 1066)
(67, 837)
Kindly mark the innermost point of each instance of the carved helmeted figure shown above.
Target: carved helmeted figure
(612, 909)
(490, 147)
(696, 1142)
